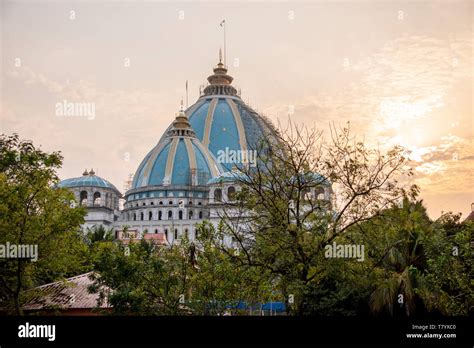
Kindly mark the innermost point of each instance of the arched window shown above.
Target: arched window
(306, 194)
(83, 197)
(141, 216)
(191, 215)
(231, 193)
(170, 214)
(134, 216)
(161, 203)
(180, 215)
(97, 199)
(319, 192)
(170, 202)
(186, 233)
(160, 215)
(196, 234)
(218, 195)
(200, 214)
(175, 233)
(166, 233)
(152, 203)
(150, 215)
(156, 230)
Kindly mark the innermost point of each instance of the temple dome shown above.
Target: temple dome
(88, 179)
(179, 159)
(224, 123)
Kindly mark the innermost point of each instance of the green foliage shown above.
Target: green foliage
(450, 267)
(412, 265)
(35, 212)
(98, 234)
(181, 279)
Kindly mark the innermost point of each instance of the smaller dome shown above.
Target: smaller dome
(89, 180)
(179, 159)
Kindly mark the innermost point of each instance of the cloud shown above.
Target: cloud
(127, 122)
(416, 91)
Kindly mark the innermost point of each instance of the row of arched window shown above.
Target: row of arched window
(97, 199)
(141, 216)
(169, 203)
(230, 194)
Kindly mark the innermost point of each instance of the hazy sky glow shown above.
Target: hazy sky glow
(401, 72)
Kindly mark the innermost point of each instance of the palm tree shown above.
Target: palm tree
(404, 260)
(99, 234)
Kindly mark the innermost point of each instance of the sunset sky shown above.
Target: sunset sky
(401, 72)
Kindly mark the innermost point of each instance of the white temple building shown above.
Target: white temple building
(188, 176)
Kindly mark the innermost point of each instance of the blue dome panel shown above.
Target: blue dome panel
(141, 167)
(224, 132)
(202, 167)
(181, 171)
(253, 129)
(198, 119)
(158, 170)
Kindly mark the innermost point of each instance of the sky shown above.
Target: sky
(400, 72)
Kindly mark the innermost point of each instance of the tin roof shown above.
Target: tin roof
(68, 294)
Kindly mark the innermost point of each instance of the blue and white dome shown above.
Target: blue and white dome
(87, 180)
(179, 159)
(224, 124)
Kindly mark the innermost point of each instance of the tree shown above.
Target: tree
(143, 278)
(279, 221)
(34, 212)
(450, 265)
(98, 234)
(219, 282)
(184, 278)
(397, 260)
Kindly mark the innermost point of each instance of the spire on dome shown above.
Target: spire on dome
(220, 81)
(181, 125)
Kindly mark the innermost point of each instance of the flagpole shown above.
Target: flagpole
(225, 50)
(186, 94)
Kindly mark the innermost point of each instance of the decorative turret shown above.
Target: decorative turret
(220, 81)
(181, 125)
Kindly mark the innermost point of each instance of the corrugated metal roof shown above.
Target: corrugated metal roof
(69, 294)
